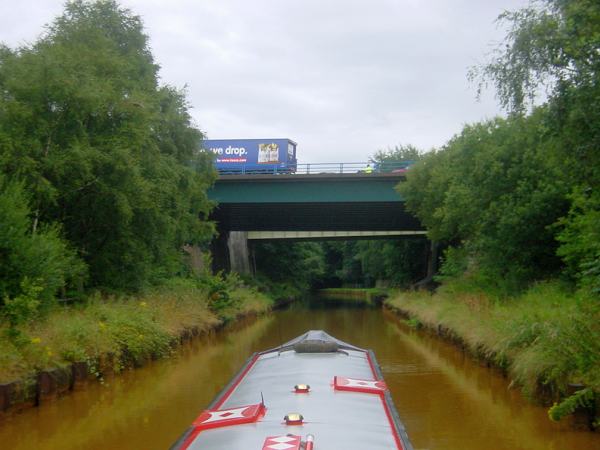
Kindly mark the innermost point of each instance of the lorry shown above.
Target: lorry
(253, 156)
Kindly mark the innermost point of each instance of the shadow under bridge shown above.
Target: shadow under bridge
(301, 206)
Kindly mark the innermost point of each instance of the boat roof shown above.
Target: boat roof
(347, 407)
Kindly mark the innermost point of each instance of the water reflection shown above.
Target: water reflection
(446, 400)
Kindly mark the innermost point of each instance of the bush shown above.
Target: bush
(580, 241)
(35, 262)
(231, 295)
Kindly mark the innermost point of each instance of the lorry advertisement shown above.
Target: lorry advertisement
(253, 155)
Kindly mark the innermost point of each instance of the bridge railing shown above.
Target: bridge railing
(397, 167)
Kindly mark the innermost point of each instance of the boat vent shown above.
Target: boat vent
(315, 341)
(316, 346)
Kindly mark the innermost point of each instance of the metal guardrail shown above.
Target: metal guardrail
(398, 167)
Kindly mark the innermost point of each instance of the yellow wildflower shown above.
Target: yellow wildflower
(36, 340)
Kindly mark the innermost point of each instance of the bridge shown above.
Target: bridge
(323, 202)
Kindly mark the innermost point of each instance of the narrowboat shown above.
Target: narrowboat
(314, 392)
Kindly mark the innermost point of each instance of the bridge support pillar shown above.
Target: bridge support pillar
(230, 252)
(432, 267)
(239, 256)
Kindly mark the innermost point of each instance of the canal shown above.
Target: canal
(446, 400)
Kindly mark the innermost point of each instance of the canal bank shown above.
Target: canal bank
(77, 344)
(547, 342)
(369, 296)
(447, 401)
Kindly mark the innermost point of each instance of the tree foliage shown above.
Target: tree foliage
(38, 262)
(297, 263)
(400, 262)
(397, 153)
(557, 41)
(495, 190)
(580, 239)
(102, 148)
(518, 194)
(555, 44)
(551, 43)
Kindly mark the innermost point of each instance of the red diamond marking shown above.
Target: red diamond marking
(289, 442)
(227, 414)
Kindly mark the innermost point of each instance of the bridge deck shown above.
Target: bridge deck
(316, 188)
(285, 177)
(311, 202)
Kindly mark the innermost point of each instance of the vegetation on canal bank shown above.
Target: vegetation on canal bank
(547, 339)
(516, 200)
(100, 158)
(124, 331)
(366, 295)
(102, 185)
(514, 203)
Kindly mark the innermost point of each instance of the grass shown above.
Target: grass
(548, 340)
(121, 331)
(360, 294)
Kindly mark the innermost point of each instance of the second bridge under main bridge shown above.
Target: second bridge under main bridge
(302, 206)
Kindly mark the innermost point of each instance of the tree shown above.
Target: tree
(580, 239)
(400, 262)
(39, 259)
(297, 263)
(398, 153)
(494, 190)
(554, 44)
(103, 149)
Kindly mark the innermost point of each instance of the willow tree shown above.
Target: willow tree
(103, 148)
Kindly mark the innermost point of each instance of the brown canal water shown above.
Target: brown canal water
(446, 400)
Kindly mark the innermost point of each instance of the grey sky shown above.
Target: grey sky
(343, 78)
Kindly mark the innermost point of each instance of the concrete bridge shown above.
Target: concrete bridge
(321, 206)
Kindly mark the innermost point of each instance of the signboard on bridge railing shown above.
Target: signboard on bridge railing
(253, 155)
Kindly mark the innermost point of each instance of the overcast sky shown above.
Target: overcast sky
(343, 78)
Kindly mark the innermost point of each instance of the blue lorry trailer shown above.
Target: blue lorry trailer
(238, 156)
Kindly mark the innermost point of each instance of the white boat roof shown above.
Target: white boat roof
(338, 420)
